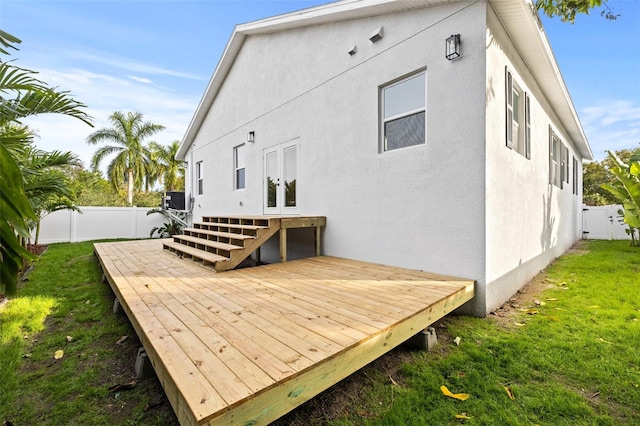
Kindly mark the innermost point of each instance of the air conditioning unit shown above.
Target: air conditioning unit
(173, 200)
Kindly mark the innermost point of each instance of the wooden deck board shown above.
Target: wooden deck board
(249, 345)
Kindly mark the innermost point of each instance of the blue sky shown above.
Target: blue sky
(156, 57)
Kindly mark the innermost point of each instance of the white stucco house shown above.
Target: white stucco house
(467, 166)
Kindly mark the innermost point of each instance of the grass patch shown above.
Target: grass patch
(64, 296)
(566, 347)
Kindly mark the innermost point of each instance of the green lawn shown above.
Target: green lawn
(572, 358)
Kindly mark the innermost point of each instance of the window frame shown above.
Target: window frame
(383, 145)
(566, 164)
(575, 176)
(556, 168)
(239, 149)
(523, 121)
(199, 178)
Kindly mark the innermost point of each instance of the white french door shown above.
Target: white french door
(280, 178)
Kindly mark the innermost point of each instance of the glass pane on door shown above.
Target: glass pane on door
(290, 173)
(271, 171)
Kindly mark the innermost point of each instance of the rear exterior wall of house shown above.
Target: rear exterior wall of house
(420, 206)
(458, 203)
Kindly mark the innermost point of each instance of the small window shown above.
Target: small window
(555, 159)
(404, 113)
(239, 167)
(518, 107)
(199, 180)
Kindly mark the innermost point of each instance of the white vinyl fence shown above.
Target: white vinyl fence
(603, 223)
(96, 223)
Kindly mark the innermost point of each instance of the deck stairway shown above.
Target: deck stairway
(224, 242)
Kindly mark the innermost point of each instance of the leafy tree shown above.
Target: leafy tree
(626, 189)
(168, 170)
(568, 9)
(595, 174)
(148, 199)
(21, 95)
(89, 188)
(131, 164)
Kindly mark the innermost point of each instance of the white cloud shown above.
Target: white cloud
(104, 94)
(127, 64)
(141, 79)
(612, 125)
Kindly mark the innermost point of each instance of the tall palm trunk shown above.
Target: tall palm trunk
(130, 187)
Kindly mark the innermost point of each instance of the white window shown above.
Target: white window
(555, 159)
(199, 180)
(403, 109)
(238, 167)
(518, 120)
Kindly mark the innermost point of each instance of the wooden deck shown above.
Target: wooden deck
(247, 346)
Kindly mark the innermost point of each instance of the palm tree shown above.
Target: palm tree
(47, 182)
(132, 159)
(169, 170)
(21, 95)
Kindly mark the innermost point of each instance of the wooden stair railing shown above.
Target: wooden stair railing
(223, 242)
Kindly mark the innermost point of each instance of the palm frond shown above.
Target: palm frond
(7, 41)
(49, 102)
(14, 78)
(103, 152)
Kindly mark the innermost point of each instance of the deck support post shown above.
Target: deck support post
(318, 242)
(117, 308)
(143, 366)
(425, 340)
(258, 260)
(283, 245)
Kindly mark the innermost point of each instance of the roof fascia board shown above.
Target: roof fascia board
(222, 69)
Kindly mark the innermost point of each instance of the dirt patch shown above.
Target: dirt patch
(525, 298)
(37, 249)
(581, 247)
(528, 296)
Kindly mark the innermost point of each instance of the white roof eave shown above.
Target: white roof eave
(517, 16)
(222, 69)
(536, 52)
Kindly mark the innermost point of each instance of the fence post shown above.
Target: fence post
(135, 222)
(72, 226)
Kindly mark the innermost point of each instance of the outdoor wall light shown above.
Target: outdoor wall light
(452, 47)
(251, 137)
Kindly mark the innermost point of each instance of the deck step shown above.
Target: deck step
(182, 250)
(229, 235)
(207, 225)
(226, 241)
(205, 242)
